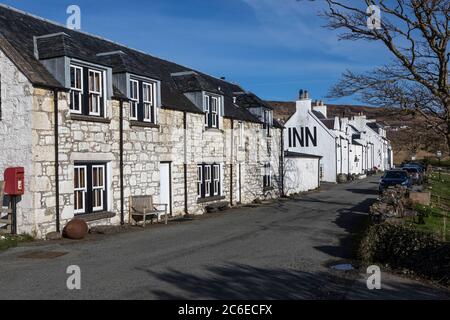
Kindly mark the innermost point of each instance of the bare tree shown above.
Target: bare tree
(416, 33)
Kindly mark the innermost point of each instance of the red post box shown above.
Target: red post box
(14, 181)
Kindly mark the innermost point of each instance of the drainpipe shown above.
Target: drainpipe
(122, 197)
(185, 164)
(335, 155)
(348, 157)
(282, 162)
(231, 165)
(56, 115)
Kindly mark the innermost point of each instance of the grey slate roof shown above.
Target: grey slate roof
(17, 30)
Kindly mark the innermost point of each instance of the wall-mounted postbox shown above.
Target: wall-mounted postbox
(14, 181)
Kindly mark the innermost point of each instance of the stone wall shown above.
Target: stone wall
(15, 132)
(27, 129)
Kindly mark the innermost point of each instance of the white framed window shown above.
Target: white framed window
(211, 107)
(95, 92)
(214, 111)
(98, 187)
(207, 181)
(216, 180)
(241, 134)
(134, 99)
(80, 189)
(206, 108)
(199, 181)
(76, 89)
(149, 105)
(267, 176)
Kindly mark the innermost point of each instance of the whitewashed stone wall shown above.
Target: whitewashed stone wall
(15, 133)
(27, 131)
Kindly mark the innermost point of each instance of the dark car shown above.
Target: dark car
(394, 178)
(415, 174)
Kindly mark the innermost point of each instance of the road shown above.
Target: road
(278, 251)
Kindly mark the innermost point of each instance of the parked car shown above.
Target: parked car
(394, 178)
(415, 174)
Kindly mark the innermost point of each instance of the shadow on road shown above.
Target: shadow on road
(364, 191)
(352, 220)
(238, 282)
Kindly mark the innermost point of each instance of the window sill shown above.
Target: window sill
(207, 129)
(95, 216)
(210, 199)
(135, 123)
(82, 117)
(268, 189)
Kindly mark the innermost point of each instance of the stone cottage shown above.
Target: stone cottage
(94, 122)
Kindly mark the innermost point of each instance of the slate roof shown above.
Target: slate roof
(318, 114)
(329, 123)
(17, 30)
(249, 100)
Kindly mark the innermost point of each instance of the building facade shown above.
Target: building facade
(93, 123)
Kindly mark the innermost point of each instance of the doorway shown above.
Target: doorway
(165, 176)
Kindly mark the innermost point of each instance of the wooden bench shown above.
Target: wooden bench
(145, 208)
(221, 205)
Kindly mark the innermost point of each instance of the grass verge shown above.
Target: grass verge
(8, 241)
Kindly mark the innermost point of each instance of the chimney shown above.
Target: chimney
(303, 94)
(303, 103)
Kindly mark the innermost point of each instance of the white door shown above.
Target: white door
(165, 187)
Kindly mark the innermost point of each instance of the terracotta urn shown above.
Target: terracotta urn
(76, 229)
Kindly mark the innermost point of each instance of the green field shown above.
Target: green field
(436, 218)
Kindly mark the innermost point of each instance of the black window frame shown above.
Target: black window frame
(140, 105)
(85, 93)
(204, 167)
(88, 204)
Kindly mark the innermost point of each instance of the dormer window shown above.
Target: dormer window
(134, 99)
(143, 101)
(95, 92)
(87, 90)
(211, 107)
(267, 121)
(76, 87)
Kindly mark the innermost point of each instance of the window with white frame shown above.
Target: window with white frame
(76, 89)
(267, 176)
(148, 101)
(80, 189)
(95, 92)
(267, 121)
(206, 108)
(134, 99)
(211, 107)
(216, 180)
(98, 187)
(90, 191)
(199, 180)
(143, 100)
(241, 134)
(207, 175)
(87, 89)
(208, 180)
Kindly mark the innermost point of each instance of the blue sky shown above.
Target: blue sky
(271, 47)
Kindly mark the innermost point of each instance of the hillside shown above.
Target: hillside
(408, 133)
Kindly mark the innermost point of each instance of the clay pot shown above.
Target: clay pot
(76, 229)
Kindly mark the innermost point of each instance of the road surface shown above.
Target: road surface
(278, 251)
